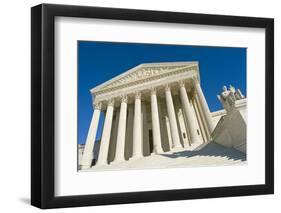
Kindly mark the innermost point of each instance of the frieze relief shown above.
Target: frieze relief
(146, 74)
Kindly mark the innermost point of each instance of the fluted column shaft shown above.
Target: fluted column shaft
(202, 118)
(105, 138)
(204, 105)
(189, 115)
(169, 132)
(137, 138)
(120, 142)
(172, 118)
(157, 147)
(90, 142)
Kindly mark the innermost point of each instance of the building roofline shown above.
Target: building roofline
(129, 71)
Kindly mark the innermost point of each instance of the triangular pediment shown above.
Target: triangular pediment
(142, 72)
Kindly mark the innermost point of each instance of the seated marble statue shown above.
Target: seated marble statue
(229, 96)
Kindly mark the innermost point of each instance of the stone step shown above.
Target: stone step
(210, 154)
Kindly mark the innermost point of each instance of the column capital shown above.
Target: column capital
(153, 91)
(137, 95)
(181, 83)
(110, 102)
(124, 99)
(195, 80)
(167, 87)
(97, 105)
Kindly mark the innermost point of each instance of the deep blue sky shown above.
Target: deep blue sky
(100, 61)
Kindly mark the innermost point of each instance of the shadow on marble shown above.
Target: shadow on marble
(212, 150)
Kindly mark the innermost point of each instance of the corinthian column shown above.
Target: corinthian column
(90, 142)
(172, 118)
(137, 138)
(120, 143)
(104, 144)
(157, 147)
(204, 105)
(188, 113)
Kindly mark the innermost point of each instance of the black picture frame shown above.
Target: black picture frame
(43, 102)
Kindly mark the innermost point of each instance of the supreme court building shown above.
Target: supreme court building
(150, 109)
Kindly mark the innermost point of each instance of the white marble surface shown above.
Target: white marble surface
(210, 154)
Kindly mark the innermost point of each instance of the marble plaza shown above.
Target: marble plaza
(156, 116)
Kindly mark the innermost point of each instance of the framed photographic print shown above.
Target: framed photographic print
(139, 106)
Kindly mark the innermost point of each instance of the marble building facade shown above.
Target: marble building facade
(150, 109)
